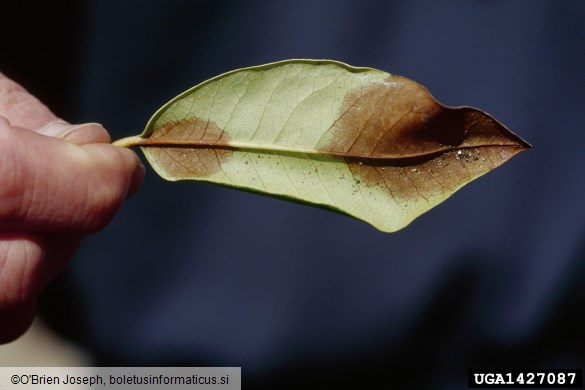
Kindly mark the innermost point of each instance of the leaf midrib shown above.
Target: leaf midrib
(251, 147)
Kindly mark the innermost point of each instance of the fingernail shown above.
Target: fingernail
(55, 129)
(78, 134)
(87, 133)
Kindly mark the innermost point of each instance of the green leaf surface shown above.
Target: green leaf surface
(358, 141)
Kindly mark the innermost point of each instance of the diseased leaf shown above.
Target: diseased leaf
(356, 140)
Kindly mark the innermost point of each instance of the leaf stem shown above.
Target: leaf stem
(128, 142)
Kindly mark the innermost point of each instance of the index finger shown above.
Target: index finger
(21, 108)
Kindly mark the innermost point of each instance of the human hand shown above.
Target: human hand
(58, 182)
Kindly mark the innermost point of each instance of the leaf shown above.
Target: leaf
(356, 140)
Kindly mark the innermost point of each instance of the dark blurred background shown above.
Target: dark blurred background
(196, 275)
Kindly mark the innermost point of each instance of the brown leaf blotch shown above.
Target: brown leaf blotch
(399, 118)
(193, 129)
(398, 138)
(181, 161)
(420, 179)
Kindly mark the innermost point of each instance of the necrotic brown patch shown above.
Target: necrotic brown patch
(396, 137)
(194, 130)
(434, 176)
(386, 119)
(188, 149)
(399, 118)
